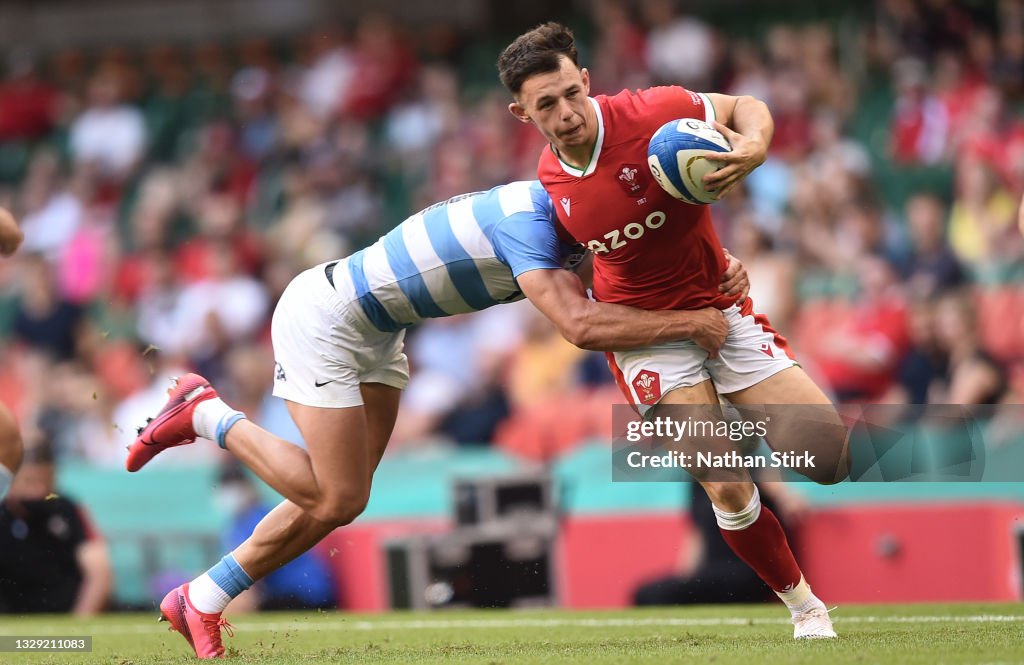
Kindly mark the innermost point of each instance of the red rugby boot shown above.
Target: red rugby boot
(202, 631)
(172, 426)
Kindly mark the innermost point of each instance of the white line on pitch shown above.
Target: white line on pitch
(445, 624)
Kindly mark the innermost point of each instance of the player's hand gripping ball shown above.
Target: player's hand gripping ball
(676, 157)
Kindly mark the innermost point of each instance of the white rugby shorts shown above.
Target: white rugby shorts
(324, 346)
(752, 352)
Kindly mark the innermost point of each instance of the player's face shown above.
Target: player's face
(557, 103)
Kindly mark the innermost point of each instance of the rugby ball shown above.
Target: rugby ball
(675, 155)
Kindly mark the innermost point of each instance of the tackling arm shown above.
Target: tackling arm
(560, 296)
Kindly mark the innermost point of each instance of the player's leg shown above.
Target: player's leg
(10, 449)
(803, 422)
(730, 490)
(345, 445)
(321, 361)
(336, 466)
(195, 411)
(754, 369)
(320, 480)
(757, 372)
(749, 528)
(670, 380)
(288, 531)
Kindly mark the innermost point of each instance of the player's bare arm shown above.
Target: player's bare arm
(560, 296)
(747, 124)
(10, 235)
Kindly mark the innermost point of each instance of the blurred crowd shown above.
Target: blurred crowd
(169, 193)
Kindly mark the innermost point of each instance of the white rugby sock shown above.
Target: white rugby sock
(742, 519)
(211, 592)
(800, 598)
(213, 418)
(206, 596)
(6, 476)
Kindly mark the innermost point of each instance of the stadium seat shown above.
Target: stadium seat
(543, 431)
(546, 431)
(814, 317)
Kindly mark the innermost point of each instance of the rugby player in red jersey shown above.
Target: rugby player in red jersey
(655, 252)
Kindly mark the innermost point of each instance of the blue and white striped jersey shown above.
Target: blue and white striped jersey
(462, 255)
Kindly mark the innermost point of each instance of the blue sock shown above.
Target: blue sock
(225, 424)
(228, 575)
(213, 419)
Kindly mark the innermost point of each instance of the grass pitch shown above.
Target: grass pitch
(992, 634)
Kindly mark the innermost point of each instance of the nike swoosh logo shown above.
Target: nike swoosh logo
(321, 385)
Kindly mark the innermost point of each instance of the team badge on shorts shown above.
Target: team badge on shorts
(648, 386)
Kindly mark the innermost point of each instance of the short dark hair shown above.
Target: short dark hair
(538, 51)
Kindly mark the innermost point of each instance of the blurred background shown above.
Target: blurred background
(174, 164)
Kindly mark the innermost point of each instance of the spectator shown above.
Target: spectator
(51, 557)
(214, 313)
(681, 50)
(44, 319)
(925, 361)
(861, 354)
(772, 274)
(109, 135)
(54, 208)
(253, 91)
(383, 67)
(159, 292)
(934, 267)
(619, 43)
(982, 214)
(972, 376)
(28, 103)
(920, 122)
(329, 72)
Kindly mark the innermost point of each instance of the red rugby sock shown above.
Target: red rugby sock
(763, 547)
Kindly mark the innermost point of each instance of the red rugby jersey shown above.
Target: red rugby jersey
(650, 250)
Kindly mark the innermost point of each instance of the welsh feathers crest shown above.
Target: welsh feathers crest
(631, 179)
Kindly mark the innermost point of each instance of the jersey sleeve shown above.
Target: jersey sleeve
(670, 102)
(527, 241)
